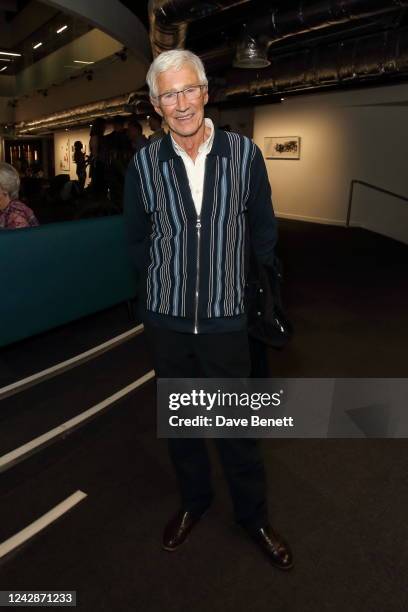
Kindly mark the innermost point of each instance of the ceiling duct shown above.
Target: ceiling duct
(169, 20)
(312, 15)
(126, 105)
(308, 16)
(380, 55)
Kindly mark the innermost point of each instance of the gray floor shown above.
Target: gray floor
(340, 503)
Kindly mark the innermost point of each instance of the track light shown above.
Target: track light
(8, 53)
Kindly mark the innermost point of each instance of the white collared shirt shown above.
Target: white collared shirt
(195, 169)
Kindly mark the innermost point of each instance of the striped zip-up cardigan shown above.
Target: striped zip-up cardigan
(194, 267)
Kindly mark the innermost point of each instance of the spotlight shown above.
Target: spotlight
(250, 53)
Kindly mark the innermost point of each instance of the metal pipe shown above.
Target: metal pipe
(358, 59)
(127, 103)
(169, 19)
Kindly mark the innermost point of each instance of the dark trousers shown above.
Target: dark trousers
(178, 355)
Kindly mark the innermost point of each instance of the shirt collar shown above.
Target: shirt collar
(220, 145)
(204, 147)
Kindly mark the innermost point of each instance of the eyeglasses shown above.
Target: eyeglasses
(190, 94)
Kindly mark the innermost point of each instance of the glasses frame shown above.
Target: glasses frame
(176, 93)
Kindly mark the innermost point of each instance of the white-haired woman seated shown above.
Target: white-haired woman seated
(13, 213)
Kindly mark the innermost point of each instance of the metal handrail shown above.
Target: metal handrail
(354, 181)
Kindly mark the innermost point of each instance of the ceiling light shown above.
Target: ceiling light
(250, 54)
(8, 53)
(37, 45)
(282, 99)
(61, 29)
(82, 62)
(5, 59)
(4, 68)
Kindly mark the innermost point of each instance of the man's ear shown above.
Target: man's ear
(206, 96)
(153, 102)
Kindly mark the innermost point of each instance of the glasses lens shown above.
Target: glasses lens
(169, 98)
(191, 93)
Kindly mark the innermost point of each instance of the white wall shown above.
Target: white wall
(344, 135)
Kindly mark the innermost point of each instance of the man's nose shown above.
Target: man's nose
(182, 102)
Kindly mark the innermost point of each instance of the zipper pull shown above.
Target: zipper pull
(198, 224)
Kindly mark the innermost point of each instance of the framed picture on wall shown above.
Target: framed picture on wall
(282, 147)
(64, 156)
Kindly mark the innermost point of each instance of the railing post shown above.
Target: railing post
(350, 203)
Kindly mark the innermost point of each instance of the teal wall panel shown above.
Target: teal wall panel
(59, 272)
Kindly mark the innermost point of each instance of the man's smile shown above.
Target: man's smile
(185, 117)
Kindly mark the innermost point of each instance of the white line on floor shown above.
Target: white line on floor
(22, 452)
(46, 519)
(63, 366)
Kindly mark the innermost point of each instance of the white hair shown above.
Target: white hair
(9, 180)
(173, 60)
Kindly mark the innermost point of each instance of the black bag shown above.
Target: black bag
(267, 321)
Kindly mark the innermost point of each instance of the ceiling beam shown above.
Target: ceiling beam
(114, 19)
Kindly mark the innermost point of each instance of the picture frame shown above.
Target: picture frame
(64, 157)
(282, 147)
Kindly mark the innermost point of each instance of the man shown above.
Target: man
(155, 124)
(186, 199)
(135, 134)
(115, 154)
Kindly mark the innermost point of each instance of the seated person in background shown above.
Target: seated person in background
(135, 135)
(13, 213)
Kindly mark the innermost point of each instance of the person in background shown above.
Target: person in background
(96, 163)
(116, 158)
(135, 135)
(80, 161)
(13, 213)
(155, 124)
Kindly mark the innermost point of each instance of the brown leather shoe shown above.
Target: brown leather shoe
(272, 544)
(178, 528)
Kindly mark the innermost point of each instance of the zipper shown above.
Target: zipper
(198, 228)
